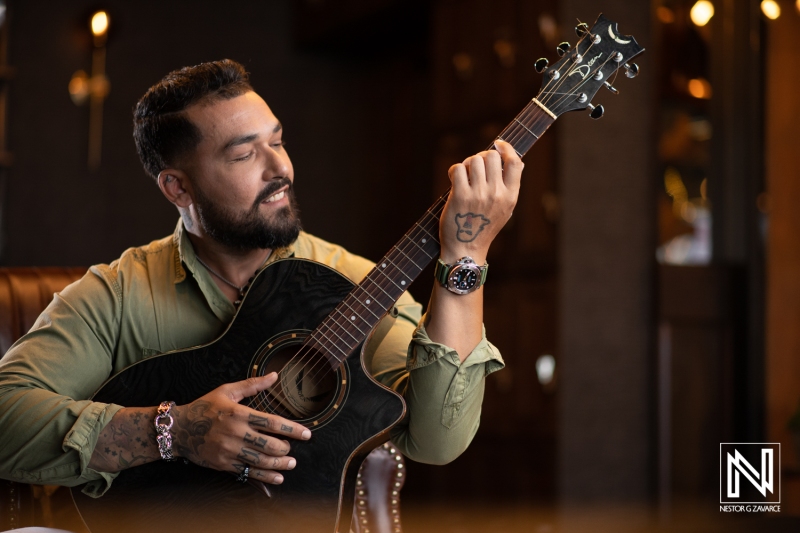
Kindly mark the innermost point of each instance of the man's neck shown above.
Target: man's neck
(228, 267)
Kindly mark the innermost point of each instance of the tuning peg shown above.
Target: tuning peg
(631, 70)
(541, 64)
(611, 87)
(581, 29)
(563, 48)
(597, 111)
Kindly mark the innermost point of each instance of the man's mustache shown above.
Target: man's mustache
(272, 187)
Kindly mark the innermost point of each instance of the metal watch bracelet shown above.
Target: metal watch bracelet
(163, 423)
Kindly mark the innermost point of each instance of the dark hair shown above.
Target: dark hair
(161, 130)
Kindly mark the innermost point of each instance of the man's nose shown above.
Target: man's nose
(277, 164)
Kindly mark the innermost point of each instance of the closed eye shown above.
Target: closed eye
(243, 158)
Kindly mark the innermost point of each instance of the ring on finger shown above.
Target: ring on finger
(242, 478)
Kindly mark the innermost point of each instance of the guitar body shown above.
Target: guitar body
(285, 302)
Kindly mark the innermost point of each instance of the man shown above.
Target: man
(215, 149)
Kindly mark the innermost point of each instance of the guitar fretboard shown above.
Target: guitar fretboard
(355, 317)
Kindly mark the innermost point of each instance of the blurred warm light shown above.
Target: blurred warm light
(798, 5)
(704, 189)
(771, 9)
(79, 87)
(99, 23)
(545, 368)
(673, 184)
(699, 88)
(667, 16)
(702, 12)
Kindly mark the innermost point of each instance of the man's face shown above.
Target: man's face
(241, 176)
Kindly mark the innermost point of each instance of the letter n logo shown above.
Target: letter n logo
(750, 473)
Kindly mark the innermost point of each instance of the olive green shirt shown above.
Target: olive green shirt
(158, 298)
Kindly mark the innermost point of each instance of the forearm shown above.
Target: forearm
(128, 440)
(455, 320)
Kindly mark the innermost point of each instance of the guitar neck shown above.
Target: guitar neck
(355, 317)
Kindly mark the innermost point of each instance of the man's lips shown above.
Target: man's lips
(277, 196)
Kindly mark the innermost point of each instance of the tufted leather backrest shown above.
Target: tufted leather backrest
(24, 293)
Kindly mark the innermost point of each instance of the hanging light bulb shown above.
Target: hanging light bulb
(99, 23)
(702, 12)
(771, 9)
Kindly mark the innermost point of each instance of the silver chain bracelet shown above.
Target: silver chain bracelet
(163, 423)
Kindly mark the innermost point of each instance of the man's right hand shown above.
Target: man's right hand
(214, 431)
(217, 432)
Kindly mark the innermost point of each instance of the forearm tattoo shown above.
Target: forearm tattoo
(470, 226)
(129, 440)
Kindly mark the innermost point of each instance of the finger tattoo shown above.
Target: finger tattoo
(287, 429)
(255, 440)
(259, 422)
(249, 456)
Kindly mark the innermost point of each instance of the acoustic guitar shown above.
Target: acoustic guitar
(310, 324)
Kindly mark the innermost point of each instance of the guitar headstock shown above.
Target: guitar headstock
(572, 82)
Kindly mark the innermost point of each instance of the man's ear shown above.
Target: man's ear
(174, 184)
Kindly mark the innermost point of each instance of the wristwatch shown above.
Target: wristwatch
(462, 277)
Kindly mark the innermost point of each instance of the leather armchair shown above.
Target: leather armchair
(24, 293)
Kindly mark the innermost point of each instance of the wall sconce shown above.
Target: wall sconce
(94, 88)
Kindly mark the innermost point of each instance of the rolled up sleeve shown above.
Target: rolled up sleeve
(443, 395)
(50, 428)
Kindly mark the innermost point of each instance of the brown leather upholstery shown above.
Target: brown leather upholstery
(377, 508)
(24, 293)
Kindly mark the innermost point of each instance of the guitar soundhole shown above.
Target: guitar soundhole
(309, 389)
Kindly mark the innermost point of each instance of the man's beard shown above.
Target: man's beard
(249, 230)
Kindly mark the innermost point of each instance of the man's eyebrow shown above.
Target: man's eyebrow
(242, 139)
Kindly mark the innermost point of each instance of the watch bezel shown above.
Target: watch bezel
(464, 264)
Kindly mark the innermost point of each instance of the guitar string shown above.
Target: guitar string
(514, 138)
(327, 326)
(405, 242)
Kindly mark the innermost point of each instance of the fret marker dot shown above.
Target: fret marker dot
(424, 241)
(383, 265)
(402, 283)
(353, 317)
(369, 301)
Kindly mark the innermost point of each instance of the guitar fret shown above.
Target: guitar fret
(344, 353)
(348, 322)
(526, 128)
(370, 299)
(352, 309)
(412, 261)
(342, 339)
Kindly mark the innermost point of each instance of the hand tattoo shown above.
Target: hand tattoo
(470, 226)
(192, 429)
